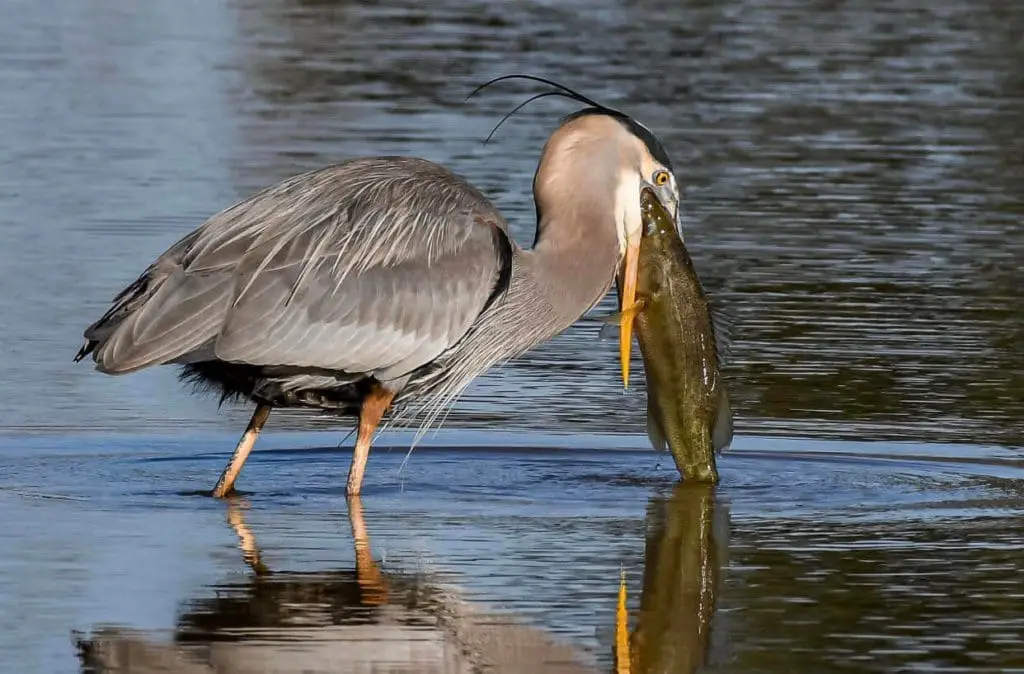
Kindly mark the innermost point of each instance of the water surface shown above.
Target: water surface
(811, 556)
(853, 177)
(853, 182)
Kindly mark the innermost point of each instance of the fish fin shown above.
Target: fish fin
(654, 432)
(608, 331)
(612, 321)
(616, 317)
(722, 323)
(721, 434)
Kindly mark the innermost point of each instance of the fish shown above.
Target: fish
(682, 343)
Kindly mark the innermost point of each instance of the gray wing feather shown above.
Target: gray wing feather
(374, 265)
(377, 320)
(152, 334)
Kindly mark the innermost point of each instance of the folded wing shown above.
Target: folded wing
(373, 266)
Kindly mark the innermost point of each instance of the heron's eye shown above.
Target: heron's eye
(660, 178)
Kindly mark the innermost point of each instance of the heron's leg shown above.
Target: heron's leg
(374, 406)
(368, 574)
(226, 483)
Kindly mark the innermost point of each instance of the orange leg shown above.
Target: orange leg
(226, 483)
(374, 407)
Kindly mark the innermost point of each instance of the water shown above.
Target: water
(813, 556)
(853, 182)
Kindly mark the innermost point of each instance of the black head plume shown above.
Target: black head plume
(565, 91)
(531, 99)
(652, 143)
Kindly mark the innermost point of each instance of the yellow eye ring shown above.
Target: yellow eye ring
(660, 178)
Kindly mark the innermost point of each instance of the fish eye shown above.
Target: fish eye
(661, 177)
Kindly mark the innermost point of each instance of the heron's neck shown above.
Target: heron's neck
(575, 263)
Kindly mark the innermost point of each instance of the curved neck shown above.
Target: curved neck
(575, 190)
(575, 256)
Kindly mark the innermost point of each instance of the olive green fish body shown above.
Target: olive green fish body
(687, 406)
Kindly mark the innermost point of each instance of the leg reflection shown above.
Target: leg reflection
(246, 540)
(369, 576)
(372, 582)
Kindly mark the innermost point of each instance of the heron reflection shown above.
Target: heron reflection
(363, 619)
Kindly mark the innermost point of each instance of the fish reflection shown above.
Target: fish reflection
(364, 619)
(687, 542)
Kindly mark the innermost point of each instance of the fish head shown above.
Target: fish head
(656, 219)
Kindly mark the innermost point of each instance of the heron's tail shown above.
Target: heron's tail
(123, 305)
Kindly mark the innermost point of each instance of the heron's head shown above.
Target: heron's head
(599, 156)
(591, 174)
(597, 162)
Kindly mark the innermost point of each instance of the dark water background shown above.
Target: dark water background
(854, 178)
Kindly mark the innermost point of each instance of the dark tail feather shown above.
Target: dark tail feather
(87, 348)
(122, 306)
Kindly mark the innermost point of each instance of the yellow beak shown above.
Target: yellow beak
(628, 308)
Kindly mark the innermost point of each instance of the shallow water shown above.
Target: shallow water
(811, 556)
(853, 177)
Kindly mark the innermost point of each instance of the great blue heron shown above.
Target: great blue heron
(380, 282)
